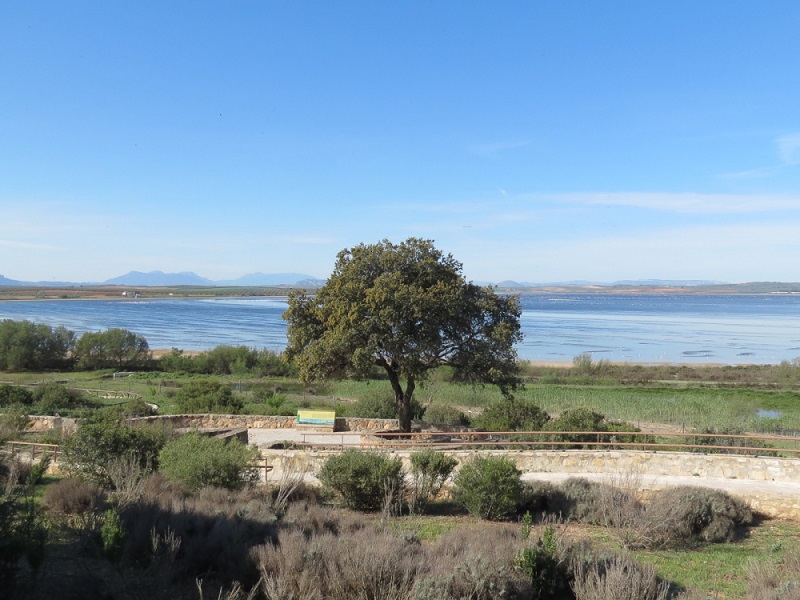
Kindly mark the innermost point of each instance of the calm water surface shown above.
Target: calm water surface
(733, 329)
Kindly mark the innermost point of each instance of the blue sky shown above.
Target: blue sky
(535, 141)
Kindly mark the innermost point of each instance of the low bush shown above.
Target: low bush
(54, 397)
(363, 480)
(445, 414)
(585, 419)
(543, 566)
(430, 471)
(378, 406)
(197, 461)
(73, 497)
(515, 414)
(89, 451)
(618, 578)
(489, 487)
(207, 397)
(683, 516)
(14, 395)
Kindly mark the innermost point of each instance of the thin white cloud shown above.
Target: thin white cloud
(684, 203)
(26, 245)
(789, 148)
(492, 150)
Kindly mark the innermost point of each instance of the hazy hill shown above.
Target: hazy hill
(158, 278)
(268, 279)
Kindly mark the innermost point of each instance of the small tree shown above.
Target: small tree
(406, 309)
(197, 461)
(489, 487)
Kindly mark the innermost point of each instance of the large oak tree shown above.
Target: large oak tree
(407, 309)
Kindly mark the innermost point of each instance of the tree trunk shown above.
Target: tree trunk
(402, 398)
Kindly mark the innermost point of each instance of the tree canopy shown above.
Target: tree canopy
(407, 309)
(113, 348)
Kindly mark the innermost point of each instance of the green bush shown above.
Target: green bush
(541, 563)
(207, 397)
(489, 487)
(513, 415)
(13, 394)
(89, 452)
(197, 461)
(445, 414)
(379, 406)
(430, 470)
(112, 534)
(363, 480)
(55, 397)
(585, 419)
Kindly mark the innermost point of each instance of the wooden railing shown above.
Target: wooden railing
(34, 448)
(761, 445)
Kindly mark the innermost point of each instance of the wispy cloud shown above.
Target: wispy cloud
(789, 148)
(684, 203)
(494, 149)
(25, 245)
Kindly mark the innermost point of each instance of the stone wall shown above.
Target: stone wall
(212, 421)
(44, 423)
(780, 501)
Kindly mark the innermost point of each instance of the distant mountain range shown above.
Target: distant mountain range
(159, 278)
(625, 282)
(301, 280)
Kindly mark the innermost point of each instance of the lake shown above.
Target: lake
(684, 328)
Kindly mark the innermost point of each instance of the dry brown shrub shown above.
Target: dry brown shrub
(683, 516)
(620, 578)
(775, 580)
(475, 563)
(72, 497)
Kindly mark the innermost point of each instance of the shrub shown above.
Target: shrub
(363, 480)
(444, 414)
(207, 397)
(513, 415)
(430, 470)
(585, 419)
(90, 450)
(112, 534)
(685, 515)
(489, 487)
(197, 461)
(620, 578)
(14, 394)
(53, 397)
(380, 406)
(73, 496)
(13, 421)
(23, 528)
(542, 564)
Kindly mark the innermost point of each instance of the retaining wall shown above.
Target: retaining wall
(212, 421)
(781, 501)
